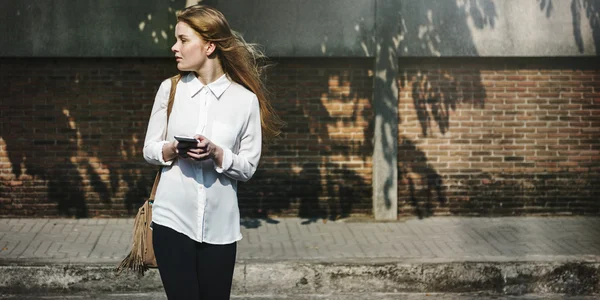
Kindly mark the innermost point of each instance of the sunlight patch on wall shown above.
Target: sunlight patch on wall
(498, 27)
(82, 157)
(345, 108)
(5, 164)
(154, 37)
(483, 35)
(163, 31)
(584, 37)
(131, 150)
(324, 45)
(73, 126)
(367, 36)
(428, 34)
(297, 169)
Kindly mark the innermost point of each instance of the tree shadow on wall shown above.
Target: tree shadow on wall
(72, 147)
(429, 29)
(424, 186)
(310, 169)
(84, 161)
(579, 8)
(437, 90)
(42, 150)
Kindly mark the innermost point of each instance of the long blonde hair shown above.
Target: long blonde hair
(244, 63)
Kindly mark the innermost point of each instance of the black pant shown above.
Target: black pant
(192, 270)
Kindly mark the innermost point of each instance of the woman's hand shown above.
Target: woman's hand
(205, 149)
(169, 151)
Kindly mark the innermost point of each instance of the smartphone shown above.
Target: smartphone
(186, 139)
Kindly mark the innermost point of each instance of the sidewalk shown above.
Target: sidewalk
(286, 246)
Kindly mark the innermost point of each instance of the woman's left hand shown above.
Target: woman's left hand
(205, 149)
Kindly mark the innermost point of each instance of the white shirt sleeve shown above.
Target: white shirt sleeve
(157, 127)
(242, 165)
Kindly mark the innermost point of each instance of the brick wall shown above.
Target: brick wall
(476, 136)
(72, 133)
(499, 136)
(321, 166)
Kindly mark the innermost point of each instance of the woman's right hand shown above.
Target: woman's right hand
(170, 151)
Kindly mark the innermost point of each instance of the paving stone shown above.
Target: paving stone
(295, 238)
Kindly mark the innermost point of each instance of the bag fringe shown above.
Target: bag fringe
(135, 259)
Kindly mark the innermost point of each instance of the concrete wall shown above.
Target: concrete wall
(144, 28)
(86, 28)
(496, 27)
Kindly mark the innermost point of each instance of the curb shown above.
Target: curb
(252, 277)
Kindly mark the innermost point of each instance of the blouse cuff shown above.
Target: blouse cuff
(159, 153)
(226, 163)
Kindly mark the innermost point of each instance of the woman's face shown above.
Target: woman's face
(191, 51)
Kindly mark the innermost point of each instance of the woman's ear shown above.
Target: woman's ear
(211, 47)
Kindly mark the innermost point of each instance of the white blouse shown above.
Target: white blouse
(199, 198)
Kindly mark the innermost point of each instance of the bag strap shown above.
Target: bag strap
(174, 81)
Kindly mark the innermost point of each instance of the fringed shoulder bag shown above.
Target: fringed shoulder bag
(141, 257)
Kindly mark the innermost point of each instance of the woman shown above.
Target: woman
(220, 101)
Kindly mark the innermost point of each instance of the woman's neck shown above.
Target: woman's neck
(210, 72)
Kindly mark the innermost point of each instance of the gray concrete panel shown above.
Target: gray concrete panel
(304, 28)
(88, 28)
(497, 28)
(91, 28)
